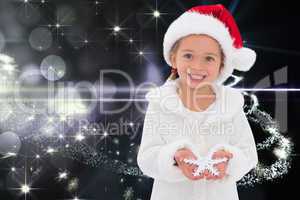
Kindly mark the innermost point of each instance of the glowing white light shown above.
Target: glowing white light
(8, 67)
(60, 73)
(30, 118)
(131, 124)
(105, 134)
(25, 189)
(50, 119)
(117, 28)
(285, 142)
(79, 137)
(57, 25)
(6, 59)
(141, 53)
(86, 41)
(62, 175)
(156, 13)
(37, 156)
(63, 118)
(61, 136)
(272, 130)
(25, 1)
(50, 150)
(280, 153)
(76, 198)
(131, 40)
(48, 130)
(13, 169)
(11, 154)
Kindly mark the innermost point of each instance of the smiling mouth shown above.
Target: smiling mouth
(196, 77)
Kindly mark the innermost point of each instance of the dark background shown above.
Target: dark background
(269, 27)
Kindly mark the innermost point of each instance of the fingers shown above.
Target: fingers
(221, 175)
(187, 170)
(211, 177)
(190, 174)
(182, 154)
(229, 155)
(191, 156)
(221, 167)
(222, 154)
(206, 175)
(195, 178)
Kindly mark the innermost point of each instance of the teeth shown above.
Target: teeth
(197, 76)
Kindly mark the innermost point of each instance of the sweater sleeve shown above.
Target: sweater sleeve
(156, 156)
(242, 145)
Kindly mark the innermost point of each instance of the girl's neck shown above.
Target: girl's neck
(196, 99)
(187, 91)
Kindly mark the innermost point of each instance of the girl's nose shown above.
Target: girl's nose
(198, 65)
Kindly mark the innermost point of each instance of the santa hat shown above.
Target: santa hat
(216, 22)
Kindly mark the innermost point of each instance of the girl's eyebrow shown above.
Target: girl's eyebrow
(211, 54)
(207, 53)
(187, 50)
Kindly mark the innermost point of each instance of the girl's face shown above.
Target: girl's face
(198, 60)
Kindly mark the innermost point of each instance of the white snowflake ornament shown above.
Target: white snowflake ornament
(205, 163)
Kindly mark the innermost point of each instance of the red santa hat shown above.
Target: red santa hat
(216, 22)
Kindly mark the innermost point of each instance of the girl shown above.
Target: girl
(193, 116)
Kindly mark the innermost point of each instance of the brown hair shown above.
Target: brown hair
(174, 74)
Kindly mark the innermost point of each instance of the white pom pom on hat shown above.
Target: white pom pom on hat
(244, 59)
(216, 22)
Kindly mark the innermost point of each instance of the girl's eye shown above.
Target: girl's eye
(188, 55)
(209, 58)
